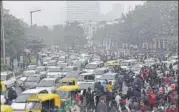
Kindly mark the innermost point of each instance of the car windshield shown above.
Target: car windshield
(31, 68)
(63, 94)
(99, 72)
(23, 97)
(40, 69)
(32, 79)
(3, 77)
(67, 69)
(124, 63)
(67, 83)
(33, 105)
(54, 70)
(46, 83)
(137, 67)
(29, 72)
(23, 78)
(91, 66)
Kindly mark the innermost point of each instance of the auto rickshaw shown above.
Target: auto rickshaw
(42, 103)
(69, 82)
(3, 88)
(6, 108)
(112, 64)
(67, 95)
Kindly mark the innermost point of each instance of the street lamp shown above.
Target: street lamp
(2, 32)
(31, 12)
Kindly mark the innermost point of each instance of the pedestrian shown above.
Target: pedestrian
(101, 107)
(10, 95)
(75, 107)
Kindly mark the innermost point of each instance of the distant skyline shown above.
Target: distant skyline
(54, 12)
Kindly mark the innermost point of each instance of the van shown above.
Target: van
(8, 78)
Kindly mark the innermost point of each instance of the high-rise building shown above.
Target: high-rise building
(115, 13)
(82, 11)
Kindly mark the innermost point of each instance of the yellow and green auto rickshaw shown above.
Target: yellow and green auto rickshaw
(3, 87)
(6, 108)
(67, 95)
(42, 103)
(70, 82)
(112, 63)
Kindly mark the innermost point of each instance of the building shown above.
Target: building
(82, 11)
(115, 13)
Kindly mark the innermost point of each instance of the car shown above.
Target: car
(151, 61)
(99, 72)
(61, 64)
(126, 64)
(18, 104)
(52, 63)
(137, 68)
(54, 71)
(8, 77)
(108, 76)
(93, 65)
(32, 81)
(41, 69)
(21, 80)
(31, 67)
(70, 69)
(49, 83)
(86, 77)
(45, 60)
(29, 72)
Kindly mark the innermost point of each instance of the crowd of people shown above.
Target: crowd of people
(153, 90)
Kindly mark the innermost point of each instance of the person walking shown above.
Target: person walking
(75, 107)
(102, 107)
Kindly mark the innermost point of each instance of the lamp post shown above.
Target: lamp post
(2, 33)
(31, 12)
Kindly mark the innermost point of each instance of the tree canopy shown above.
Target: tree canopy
(153, 19)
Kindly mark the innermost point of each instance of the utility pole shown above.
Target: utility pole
(31, 12)
(2, 33)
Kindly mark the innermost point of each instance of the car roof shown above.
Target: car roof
(6, 72)
(34, 75)
(86, 73)
(53, 67)
(103, 68)
(49, 79)
(110, 73)
(36, 90)
(40, 66)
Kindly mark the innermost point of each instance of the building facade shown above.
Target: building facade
(82, 11)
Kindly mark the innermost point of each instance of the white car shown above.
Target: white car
(126, 64)
(29, 72)
(31, 67)
(86, 77)
(8, 78)
(108, 76)
(48, 83)
(99, 72)
(53, 71)
(18, 105)
(93, 65)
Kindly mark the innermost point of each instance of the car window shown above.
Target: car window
(46, 83)
(90, 77)
(44, 91)
(9, 76)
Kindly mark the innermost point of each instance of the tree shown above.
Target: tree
(74, 35)
(14, 34)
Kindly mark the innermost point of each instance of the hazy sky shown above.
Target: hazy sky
(53, 12)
